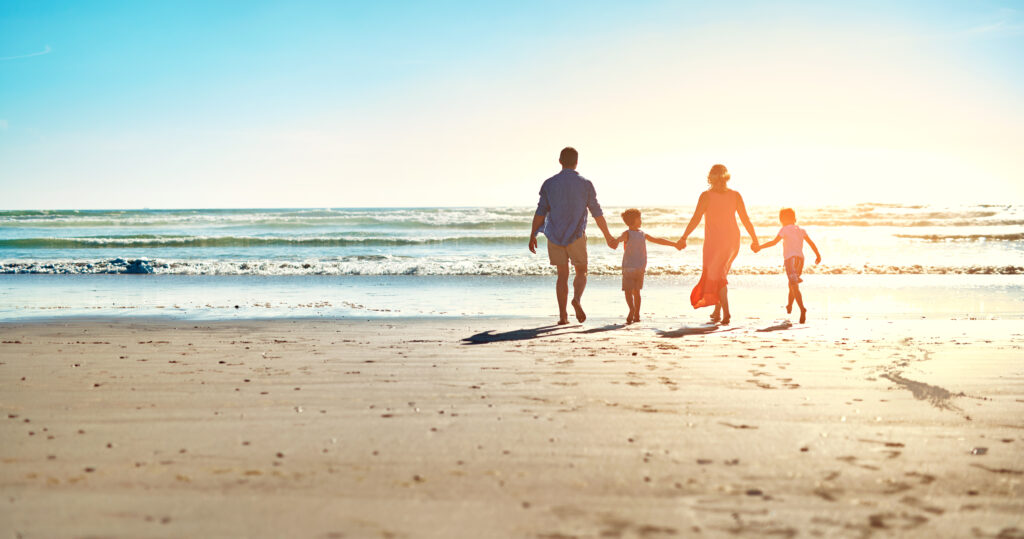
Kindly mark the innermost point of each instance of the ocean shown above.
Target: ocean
(469, 261)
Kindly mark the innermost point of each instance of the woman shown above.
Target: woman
(719, 205)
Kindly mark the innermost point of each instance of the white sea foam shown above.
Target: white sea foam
(854, 239)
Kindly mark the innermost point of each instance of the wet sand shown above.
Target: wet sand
(507, 427)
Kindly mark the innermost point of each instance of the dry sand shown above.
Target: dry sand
(402, 429)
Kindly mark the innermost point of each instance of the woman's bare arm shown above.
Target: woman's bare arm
(742, 210)
(698, 213)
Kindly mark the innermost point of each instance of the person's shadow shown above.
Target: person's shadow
(526, 334)
(779, 325)
(702, 329)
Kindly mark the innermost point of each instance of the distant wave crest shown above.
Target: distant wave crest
(390, 265)
(858, 215)
(964, 237)
(152, 241)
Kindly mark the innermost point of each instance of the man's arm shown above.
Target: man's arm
(538, 221)
(598, 213)
(814, 248)
(608, 238)
(543, 207)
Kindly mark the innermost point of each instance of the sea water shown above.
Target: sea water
(892, 260)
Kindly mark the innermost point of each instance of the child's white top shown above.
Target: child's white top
(634, 255)
(792, 241)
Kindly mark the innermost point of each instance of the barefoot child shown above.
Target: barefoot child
(792, 238)
(634, 261)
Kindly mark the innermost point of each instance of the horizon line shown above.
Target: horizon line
(461, 207)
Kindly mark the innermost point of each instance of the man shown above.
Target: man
(564, 201)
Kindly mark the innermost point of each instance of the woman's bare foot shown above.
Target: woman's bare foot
(580, 315)
(725, 321)
(803, 316)
(715, 317)
(629, 318)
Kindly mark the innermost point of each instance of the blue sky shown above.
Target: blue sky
(256, 104)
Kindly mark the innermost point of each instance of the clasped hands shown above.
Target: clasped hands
(681, 244)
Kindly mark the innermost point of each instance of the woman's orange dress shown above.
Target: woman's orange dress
(721, 245)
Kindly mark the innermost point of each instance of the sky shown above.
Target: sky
(382, 104)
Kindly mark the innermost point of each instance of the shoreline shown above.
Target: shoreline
(830, 297)
(402, 428)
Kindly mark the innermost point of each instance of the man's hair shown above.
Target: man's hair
(630, 215)
(569, 157)
(787, 216)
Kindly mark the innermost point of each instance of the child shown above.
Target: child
(634, 261)
(792, 238)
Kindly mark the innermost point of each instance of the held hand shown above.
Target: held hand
(754, 246)
(612, 242)
(533, 244)
(681, 244)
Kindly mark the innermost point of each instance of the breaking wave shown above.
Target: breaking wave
(391, 265)
(964, 237)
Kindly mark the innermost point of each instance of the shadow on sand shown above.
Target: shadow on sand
(490, 336)
(702, 329)
(602, 329)
(780, 325)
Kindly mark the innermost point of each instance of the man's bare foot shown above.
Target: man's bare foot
(636, 318)
(580, 315)
(789, 309)
(563, 321)
(629, 318)
(803, 316)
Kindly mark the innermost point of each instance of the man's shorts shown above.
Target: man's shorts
(632, 279)
(575, 251)
(794, 267)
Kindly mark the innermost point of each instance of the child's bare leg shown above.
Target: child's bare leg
(789, 302)
(723, 296)
(632, 309)
(794, 292)
(636, 305)
(562, 292)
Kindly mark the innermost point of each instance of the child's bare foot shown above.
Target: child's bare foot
(789, 309)
(580, 315)
(803, 316)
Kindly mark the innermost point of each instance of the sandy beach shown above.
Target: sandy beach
(508, 427)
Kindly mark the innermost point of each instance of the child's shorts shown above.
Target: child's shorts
(632, 278)
(794, 267)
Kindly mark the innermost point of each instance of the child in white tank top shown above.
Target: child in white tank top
(792, 238)
(634, 260)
